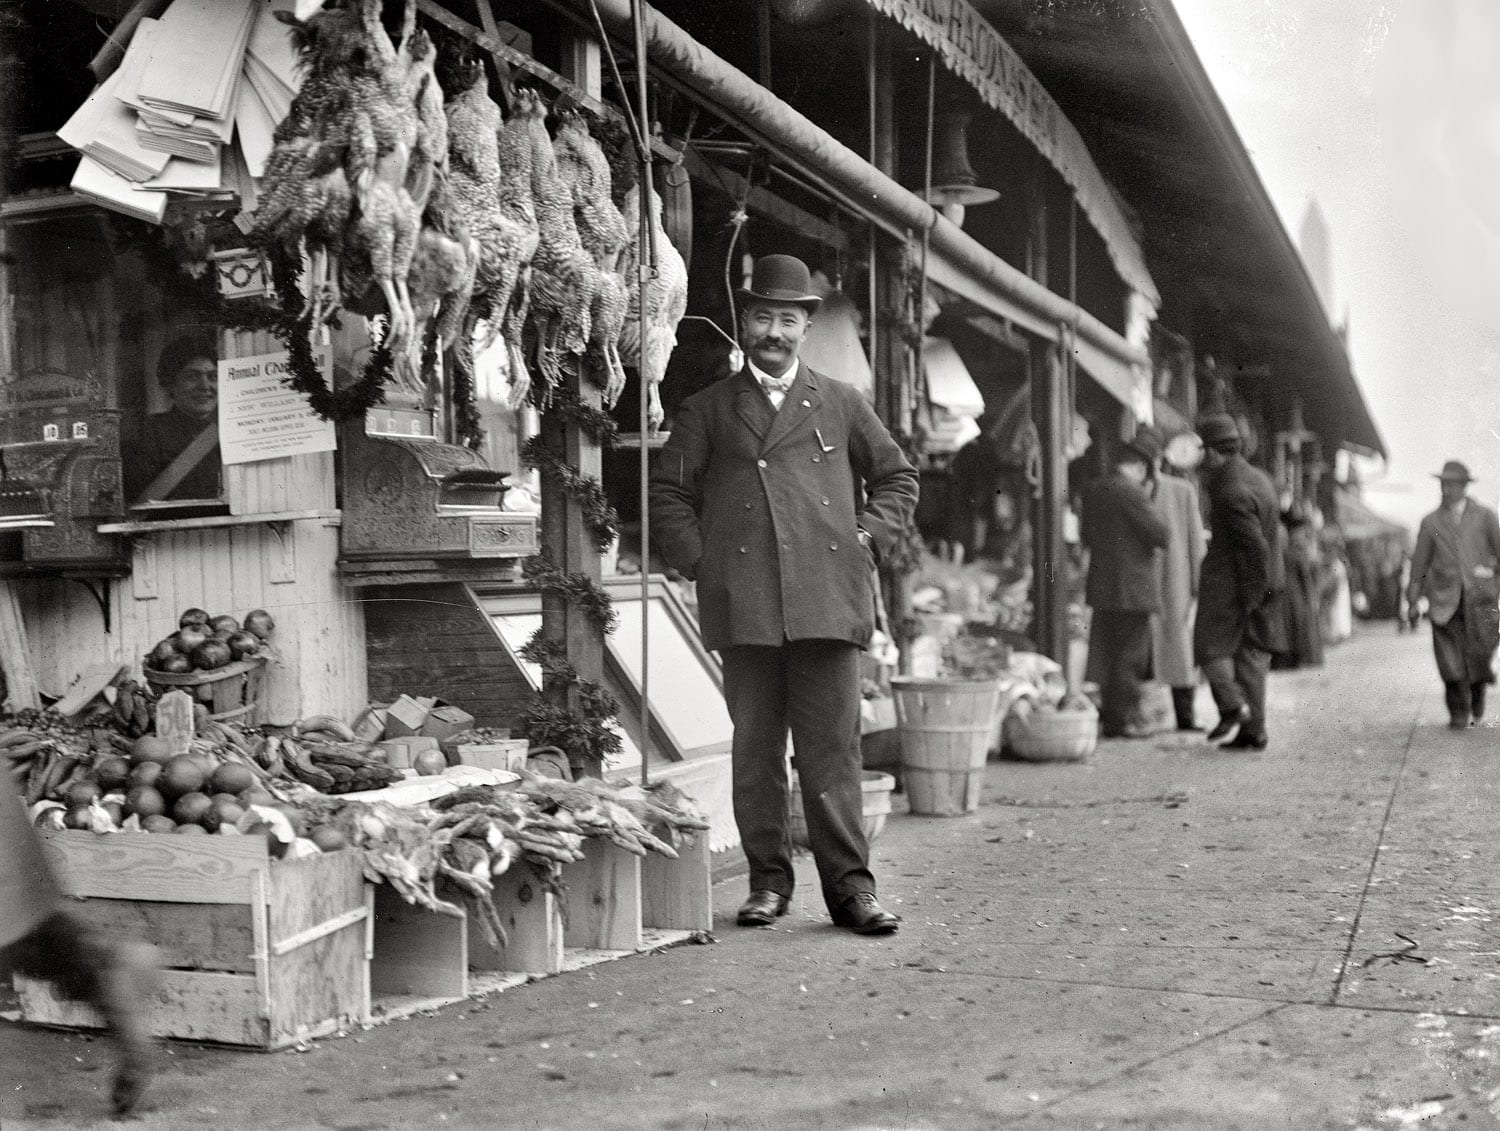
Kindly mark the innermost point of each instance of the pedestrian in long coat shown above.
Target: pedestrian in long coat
(776, 493)
(1240, 585)
(1454, 566)
(1123, 532)
(1178, 564)
(40, 938)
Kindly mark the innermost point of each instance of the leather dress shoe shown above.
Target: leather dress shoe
(1243, 741)
(1460, 722)
(762, 909)
(1229, 725)
(863, 915)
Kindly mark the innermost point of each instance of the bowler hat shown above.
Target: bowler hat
(1453, 469)
(1147, 443)
(781, 278)
(1217, 427)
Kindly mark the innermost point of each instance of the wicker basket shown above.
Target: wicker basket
(230, 692)
(1052, 736)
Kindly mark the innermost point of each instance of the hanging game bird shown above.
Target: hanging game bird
(665, 303)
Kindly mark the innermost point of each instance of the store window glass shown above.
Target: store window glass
(93, 335)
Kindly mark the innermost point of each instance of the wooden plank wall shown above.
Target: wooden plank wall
(286, 568)
(433, 640)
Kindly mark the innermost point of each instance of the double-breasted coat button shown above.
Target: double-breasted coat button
(760, 463)
(747, 506)
(744, 549)
(817, 459)
(833, 545)
(824, 500)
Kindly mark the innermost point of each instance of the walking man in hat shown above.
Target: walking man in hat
(777, 492)
(1454, 567)
(1239, 620)
(1123, 531)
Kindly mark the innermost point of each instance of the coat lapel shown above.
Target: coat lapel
(752, 405)
(797, 409)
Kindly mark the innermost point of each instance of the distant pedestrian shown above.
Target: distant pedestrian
(777, 492)
(41, 939)
(1454, 567)
(1122, 531)
(1239, 617)
(1179, 564)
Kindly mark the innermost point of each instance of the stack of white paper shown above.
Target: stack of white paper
(192, 109)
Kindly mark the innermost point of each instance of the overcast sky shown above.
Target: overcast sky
(1388, 114)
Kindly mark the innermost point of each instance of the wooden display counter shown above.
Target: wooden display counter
(267, 953)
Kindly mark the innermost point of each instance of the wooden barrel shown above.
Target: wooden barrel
(945, 729)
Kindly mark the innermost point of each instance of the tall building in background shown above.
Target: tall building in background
(1316, 245)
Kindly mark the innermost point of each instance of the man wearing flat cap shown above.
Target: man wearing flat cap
(1239, 620)
(1122, 531)
(777, 492)
(1454, 567)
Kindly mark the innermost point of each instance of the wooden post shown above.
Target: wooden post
(1050, 553)
(564, 531)
(20, 688)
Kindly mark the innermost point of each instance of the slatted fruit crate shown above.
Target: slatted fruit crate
(256, 951)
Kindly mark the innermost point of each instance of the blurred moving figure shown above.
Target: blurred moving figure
(1454, 566)
(1239, 620)
(1178, 566)
(1122, 531)
(40, 939)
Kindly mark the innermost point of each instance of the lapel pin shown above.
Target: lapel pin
(822, 443)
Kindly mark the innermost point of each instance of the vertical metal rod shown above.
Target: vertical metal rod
(921, 297)
(645, 268)
(872, 80)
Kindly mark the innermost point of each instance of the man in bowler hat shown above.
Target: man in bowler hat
(1123, 532)
(1239, 620)
(1454, 567)
(777, 492)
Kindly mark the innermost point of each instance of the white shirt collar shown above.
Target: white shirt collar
(761, 375)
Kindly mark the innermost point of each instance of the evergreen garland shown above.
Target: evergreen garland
(593, 422)
(583, 731)
(602, 519)
(575, 588)
(200, 298)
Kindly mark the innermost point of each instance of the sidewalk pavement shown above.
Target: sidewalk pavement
(1166, 937)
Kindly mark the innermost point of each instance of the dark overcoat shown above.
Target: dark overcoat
(1244, 570)
(28, 893)
(1122, 530)
(762, 508)
(1453, 555)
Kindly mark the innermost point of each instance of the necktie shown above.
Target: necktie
(775, 389)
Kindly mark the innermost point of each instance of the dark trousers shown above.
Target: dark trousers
(1465, 700)
(812, 688)
(1121, 645)
(1182, 706)
(1238, 681)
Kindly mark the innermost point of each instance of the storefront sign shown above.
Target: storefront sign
(972, 49)
(261, 418)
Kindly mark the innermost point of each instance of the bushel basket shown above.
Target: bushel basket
(1052, 736)
(230, 692)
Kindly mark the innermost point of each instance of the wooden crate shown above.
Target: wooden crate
(232, 692)
(257, 952)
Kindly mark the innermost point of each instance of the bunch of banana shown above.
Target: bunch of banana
(43, 766)
(134, 707)
(336, 766)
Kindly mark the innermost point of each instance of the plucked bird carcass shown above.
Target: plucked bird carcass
(584, 169)
(665, 302)
(493, 196)
(564, 278)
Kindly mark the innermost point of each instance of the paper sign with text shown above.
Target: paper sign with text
(261, 418)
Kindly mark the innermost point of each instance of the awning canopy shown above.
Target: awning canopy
(1358, 521)
(1230, 277)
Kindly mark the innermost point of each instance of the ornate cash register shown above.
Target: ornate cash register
(418, 509)
(59, 475)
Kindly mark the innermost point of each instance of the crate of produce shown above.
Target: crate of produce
(256, 951)
(231, 693)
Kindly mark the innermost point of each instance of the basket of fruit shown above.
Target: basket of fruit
(1039, 731)
(217, 660)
